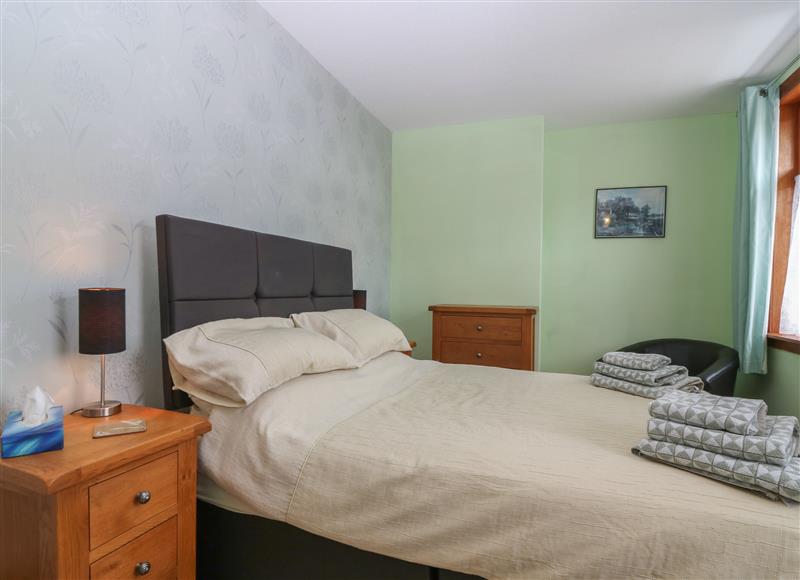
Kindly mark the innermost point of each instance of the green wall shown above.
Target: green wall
(466, 215)
(603, 294)
(780, 387)
(469, 210)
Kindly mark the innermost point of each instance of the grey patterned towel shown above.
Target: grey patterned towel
(777, 444)
(732, 414)
(688, 383)
(666, 375)
(633, 360)
(774, 481)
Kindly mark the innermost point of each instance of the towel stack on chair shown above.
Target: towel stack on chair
(726, 438)
(646, 375)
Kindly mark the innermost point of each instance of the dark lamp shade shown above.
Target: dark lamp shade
(101, 315)
(360, 299)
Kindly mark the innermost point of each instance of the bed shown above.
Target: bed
(491, 472)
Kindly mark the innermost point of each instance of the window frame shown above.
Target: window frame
(788, 168)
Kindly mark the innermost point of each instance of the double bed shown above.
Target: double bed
(484, 471)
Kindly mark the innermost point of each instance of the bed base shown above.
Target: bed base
(233, 546)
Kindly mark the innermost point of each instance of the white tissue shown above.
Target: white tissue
(37, 403)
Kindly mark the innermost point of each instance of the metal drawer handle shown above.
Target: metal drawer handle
(479, 327)
(143, 568)
(479, 355)
(143, 497)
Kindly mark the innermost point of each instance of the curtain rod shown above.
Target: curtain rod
(786, 73)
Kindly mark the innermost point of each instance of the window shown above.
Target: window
(784, 313)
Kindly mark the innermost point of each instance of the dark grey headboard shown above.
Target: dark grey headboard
(210, 272)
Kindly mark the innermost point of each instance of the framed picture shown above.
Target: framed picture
(630, 212)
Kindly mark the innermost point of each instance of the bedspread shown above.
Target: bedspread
(505, 474)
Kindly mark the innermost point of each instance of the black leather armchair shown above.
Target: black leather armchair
(715, 363)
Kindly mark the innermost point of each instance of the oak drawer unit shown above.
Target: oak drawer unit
(497, 336)
(111, 508)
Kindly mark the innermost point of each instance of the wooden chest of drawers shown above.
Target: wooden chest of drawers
(498, 336)
(112, 508)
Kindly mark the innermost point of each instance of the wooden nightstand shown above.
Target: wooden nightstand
(117, 507)
(413, 345)
(495, 336)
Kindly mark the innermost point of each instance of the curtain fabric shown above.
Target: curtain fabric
(790, 309)
(755, 213)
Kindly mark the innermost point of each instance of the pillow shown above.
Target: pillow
(362, 334)
(231, 362)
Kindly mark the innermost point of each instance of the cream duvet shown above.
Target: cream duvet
(500, 473)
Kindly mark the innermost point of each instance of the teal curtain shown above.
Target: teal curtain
(755, 214)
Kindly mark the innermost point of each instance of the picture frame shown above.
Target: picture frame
(630, 212)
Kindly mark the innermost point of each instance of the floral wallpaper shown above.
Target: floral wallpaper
(115, 112)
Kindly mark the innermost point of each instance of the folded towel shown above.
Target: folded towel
(691, 384)
(633, 360)
(666, 375)
(732, 414)
(774, 481)
(777, 444)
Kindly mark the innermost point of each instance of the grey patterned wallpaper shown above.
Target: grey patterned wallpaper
(115, 112)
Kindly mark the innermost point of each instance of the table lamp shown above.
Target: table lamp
(101, 316)
(360, 299)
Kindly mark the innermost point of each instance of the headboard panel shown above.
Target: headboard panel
(210, 272)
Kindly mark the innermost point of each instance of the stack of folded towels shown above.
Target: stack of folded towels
(725, 438)
(646, 375)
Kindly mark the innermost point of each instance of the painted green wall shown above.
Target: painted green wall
(466, 215)
(780, 387)
(468, 210)
(603, 294)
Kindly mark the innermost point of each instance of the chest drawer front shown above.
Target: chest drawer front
(119, 503)
(482, 327)
(153, 555)
(475, 353)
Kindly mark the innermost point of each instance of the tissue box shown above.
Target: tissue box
(19, 439)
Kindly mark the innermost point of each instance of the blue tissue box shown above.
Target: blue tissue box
(19, 439)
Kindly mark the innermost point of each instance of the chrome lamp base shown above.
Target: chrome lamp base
(101, 409)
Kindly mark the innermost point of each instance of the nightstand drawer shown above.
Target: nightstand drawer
(486, 354)
(482, 327)
(153, 556)
(119, 503)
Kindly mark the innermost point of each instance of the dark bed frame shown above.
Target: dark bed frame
(211, 272)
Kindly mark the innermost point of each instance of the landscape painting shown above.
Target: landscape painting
(630, 212)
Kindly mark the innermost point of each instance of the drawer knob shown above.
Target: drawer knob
(478, 355)
(479, 327)
(143, 497)
(143, 568)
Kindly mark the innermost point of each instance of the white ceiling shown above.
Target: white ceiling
(421, 64)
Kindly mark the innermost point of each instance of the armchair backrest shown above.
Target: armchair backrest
(716, 364)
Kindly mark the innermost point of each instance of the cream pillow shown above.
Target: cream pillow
(362, 334)
(231, 362)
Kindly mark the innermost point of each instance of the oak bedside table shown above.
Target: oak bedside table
(117, 507)
(495, 336)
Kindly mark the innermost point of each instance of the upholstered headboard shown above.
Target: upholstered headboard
(210, 272)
